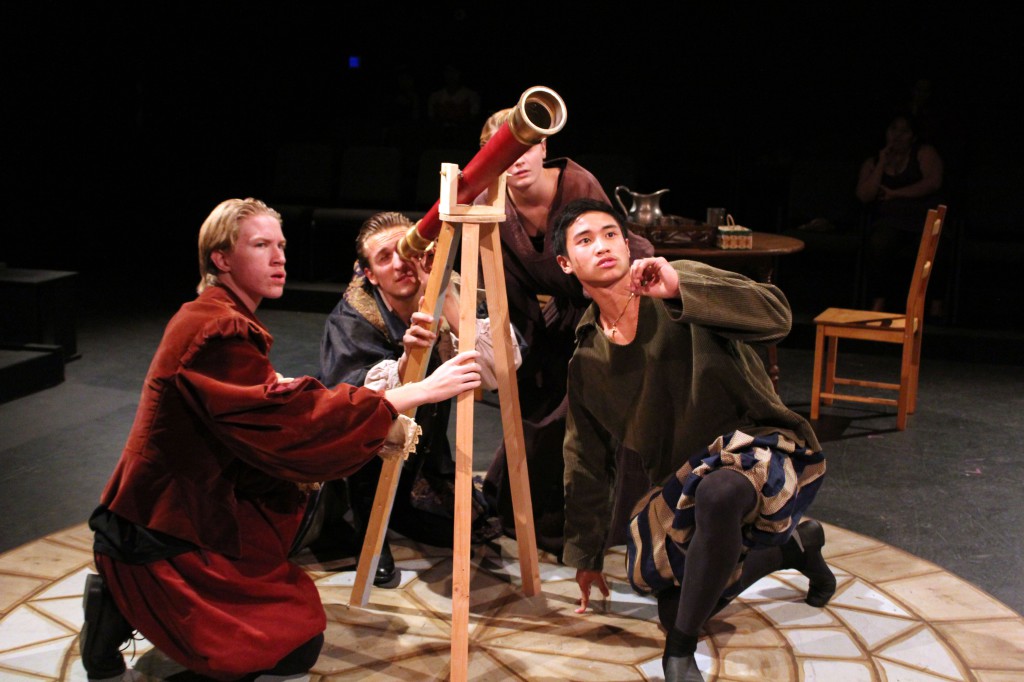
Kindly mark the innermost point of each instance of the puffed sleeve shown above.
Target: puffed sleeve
(485, 346)
(383, 376)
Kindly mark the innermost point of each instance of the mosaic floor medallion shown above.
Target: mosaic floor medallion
(894, 618)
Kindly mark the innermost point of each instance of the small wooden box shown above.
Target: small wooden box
(735, 237)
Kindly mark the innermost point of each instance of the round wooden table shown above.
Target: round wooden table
(758, 263)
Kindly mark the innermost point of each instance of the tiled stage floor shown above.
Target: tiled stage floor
(947, 491)
(894, 617)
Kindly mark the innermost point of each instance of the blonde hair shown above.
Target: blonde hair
(220, 232)
(491, 125)
(378, 222)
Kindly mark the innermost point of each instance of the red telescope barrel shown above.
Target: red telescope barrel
(539, 114)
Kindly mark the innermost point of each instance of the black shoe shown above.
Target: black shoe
(386, 570)
(681, 669)
(677, 660)
(104, 631)
(822, 582)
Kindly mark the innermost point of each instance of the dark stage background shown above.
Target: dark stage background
(126, 123)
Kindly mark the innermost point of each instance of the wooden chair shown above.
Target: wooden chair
(866, 325)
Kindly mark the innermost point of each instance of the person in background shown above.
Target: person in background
(898, 186)
(194, 528)
(454, 104)
(537, 188)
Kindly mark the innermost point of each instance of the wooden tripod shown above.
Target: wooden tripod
(481, 246)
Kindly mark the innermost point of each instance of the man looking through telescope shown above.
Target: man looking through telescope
(367, 341)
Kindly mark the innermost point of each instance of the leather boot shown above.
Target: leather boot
(386, 570)
(362, 487)
(678, 662)
(681, 669)
(803, 552)
(104, 631)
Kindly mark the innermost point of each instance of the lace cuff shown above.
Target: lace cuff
(401, 438)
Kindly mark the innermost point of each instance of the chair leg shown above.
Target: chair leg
(905, 400)
(901, 410)
(830, 367)
(915, 373)
(819, 344)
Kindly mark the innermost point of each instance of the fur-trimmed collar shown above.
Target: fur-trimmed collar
(359, 295)
(364, 299)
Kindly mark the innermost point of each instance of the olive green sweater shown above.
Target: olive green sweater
(688, 377)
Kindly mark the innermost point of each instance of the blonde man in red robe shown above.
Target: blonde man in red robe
(194, 528)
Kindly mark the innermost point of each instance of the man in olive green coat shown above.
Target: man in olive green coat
(663, 367)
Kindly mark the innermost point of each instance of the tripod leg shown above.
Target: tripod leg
(464, 406)
(511, 416)
(416, 370)
(376, 528)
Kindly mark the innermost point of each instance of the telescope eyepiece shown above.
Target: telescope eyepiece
(539, 114)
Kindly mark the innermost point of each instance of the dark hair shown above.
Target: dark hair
(572, 211)
(378, 222)
(907, 115)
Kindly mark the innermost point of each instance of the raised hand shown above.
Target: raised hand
(418, 335)
(653, 277)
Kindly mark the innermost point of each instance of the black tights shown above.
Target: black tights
(722, 501)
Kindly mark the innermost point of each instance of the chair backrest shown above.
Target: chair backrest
(930, 234)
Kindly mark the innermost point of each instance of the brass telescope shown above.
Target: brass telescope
(539, 114)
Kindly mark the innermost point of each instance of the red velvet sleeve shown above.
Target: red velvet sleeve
(298, 431)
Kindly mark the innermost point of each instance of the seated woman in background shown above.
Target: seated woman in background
(537, 189)
(898, 185)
